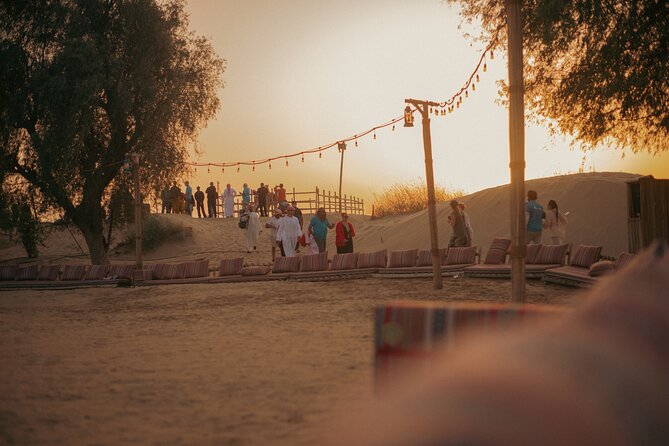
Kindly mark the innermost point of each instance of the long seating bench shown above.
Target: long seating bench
(14, 277)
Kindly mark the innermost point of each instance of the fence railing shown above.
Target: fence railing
(309, 202)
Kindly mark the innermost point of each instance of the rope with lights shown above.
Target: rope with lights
(439, 109)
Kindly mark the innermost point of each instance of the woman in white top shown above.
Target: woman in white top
(556, 224)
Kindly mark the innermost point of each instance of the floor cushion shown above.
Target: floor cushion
(376, 259)
(74, 272)
(401, 259)
(31, 273)
(48, 272)
(585, 255)
(286, 265)
(229, 267)
(344, 261)
(314, 262)
(550, 255)
(459, 256)
(496, 255)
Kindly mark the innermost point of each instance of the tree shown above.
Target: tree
(595, 70)
(84, 83)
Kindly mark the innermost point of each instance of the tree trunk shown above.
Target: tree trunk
(90, 225)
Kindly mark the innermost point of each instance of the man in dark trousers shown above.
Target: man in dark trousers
(199, 199)
(262, 199)
(211, 199)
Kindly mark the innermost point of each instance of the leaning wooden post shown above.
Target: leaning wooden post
(424, 108)
(516, 149)
(138, 212)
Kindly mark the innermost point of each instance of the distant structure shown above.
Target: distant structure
(648, 214)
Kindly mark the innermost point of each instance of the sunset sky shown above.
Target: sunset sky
(302, 74)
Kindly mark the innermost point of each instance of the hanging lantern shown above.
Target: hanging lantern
(374, 133)
(208, 171)
(222, 169)
(237, 169)
(270, 165)
(477, 78)
(320, 155)
(393, 127)
(466, 93)
(253, 169)
(286, 161)
(356, 142)
(408, 117)
(302, 157)
(492, 54)
(473, 87)
(485, 67)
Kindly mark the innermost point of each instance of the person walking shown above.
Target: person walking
(199, 199)
(344, 234)
(228, 198)
(289, 233)
(212, 194)
(252, 229)
(534, 213)
(175, 197)
(189, 199)
(459, 236)
(556, 224)
(318, 226)
(468, 223)
(262, 200)
(166, 200)
(272, 225)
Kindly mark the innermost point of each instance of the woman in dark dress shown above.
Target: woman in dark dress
(344, 235)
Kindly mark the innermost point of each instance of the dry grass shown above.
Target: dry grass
(409, 197)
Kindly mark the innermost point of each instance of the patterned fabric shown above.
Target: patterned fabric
(48, 272)
(344, 261)
(399, 259)
(286, 265)
(585, 255)
(96, 272)
(168, 271)
(30, 273)
(314, 262)
(255, 270)
(550, 254)
(376, 259)
(623, 259)
(74, 272)
(496, 255)
(198, 268)
(121, 271)
(230, 267)
(531, 253)
(601, 268)
(8, 272)
(458, 256)
(424, 257)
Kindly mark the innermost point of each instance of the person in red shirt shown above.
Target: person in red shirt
(344, 234)
(280, 193)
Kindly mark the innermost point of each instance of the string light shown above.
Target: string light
(492, 54)
(477, 78)
(356, 142)
(466, 93)
(208, 171)
(237, 169)
(320, 155)
(286, 161)
(270, 165)
(253, 168)
(393, 128)
(374, 133)
(302, 158)
(485, 67)
(473, 87)
(222, 169)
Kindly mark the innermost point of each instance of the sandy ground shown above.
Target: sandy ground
(227, 364)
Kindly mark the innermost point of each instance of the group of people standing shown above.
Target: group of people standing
(537, 220)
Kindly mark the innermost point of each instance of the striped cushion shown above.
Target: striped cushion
(601, 268)
(121, 271)
(497, 253)
(585, 255)
(74, 272)
(31, 273)
(229, 267)
(166, 271)
(255, 270)
(286, 265)
(623, 259)
(376, 259)
(314, 262)
(399, 259)
(8, 272)
(96, 272)
(424, 257)
(198, 268)
(48, 272)
(550, 254)
(344, 261)
(458, 256)
(531, 253)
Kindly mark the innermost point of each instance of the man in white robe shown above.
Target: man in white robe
(228, 198)
(289, 232)
(252, 230)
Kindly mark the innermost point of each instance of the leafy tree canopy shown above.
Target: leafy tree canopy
(85, 82)
(596, 70)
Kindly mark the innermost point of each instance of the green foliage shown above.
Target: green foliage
(85, 82)
(595, 70)
(408, 198)
(157, 230)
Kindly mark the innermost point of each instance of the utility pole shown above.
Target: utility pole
(424, 108)
(516, 149)
(342, 148)
(138, 211)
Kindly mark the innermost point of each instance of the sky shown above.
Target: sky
(305, 73)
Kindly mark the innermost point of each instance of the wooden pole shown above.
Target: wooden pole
(342, 148)
(424, 108)
(516, 149)
(138, 212)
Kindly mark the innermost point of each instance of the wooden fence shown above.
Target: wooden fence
(310, 201)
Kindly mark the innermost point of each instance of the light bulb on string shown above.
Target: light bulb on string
(253, 169)
(320, 155)
(195, 169)
(208, 171)
(303, 157)
(222, 169)
(492, 54)
(485, 67)
(466, 93)
(286, 161)
(477, 78)
(270, 165)
(473, 87)
(393, 127)
(356, 142)
(237, 169)
(374, 133)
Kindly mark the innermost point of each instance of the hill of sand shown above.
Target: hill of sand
(596, 202)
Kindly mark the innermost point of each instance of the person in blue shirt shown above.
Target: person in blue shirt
(534, 214)
(246, 196)
(189, 199)
(318, 226)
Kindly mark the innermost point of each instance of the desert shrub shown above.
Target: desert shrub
(409, 197)
(157, 230)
